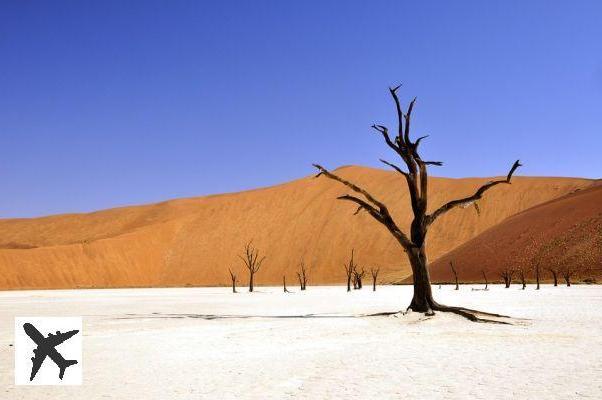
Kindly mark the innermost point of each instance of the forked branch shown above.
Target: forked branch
(470, 199)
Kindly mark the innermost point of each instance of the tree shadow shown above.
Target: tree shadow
(210, 317)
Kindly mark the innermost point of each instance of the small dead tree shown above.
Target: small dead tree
(349, 268)
(567, 274)
(302, 274)
(485, 277)
(357, 278)
(455, 274)
(252, 262)
(233, 278)
(506, 276)
(374, 272)
(554, 272)
(521, 275)
(284, 284)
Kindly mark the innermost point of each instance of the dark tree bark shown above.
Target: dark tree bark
(349, 268)
(374, 272)
(455, 275)
(233, 278)
(507, 275)
(485, 277)
(252, 262)
(554, 273)
(537, 275)
(416, 179)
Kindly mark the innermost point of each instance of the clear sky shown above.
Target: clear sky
(109, 103)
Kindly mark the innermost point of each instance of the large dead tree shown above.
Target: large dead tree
(374, 272)
(416, 178)
(451, 264)
(252, 262)
(349, 268)
(233, 278)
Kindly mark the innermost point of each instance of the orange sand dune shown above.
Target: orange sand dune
(194, 241)
(575, 219)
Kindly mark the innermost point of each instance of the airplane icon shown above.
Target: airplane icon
(46, 347)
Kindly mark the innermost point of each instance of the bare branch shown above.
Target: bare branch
(354, 187)
(471, 199)
(385, 132)
(395, 167)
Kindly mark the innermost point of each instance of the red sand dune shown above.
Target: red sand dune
(194, 241)
(570, 228)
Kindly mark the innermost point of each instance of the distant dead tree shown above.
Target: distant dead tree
(284, 284)
(537, 275)
(416, 179)
(374, 272)
(507, 275)
(521, 275)
(554, 272)
(485, 277)
(349, 268)
(455, 274)
(302, 274)
(252, 262)
(357, 278)
(567, 274)
(233, 278)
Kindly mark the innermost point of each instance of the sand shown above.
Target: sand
(570, 227)
(194, 241)
(209, 343)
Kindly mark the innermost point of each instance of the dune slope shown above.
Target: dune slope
(563, 232)
(194, 241)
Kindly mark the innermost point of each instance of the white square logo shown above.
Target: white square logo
(48, 351)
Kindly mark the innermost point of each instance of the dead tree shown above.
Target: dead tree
(455, 274)
(252, 262)
(485, 277)
(357, 278)
(537, 275)
(284, 284)
(374, 272)
(233, 278)
(567, 274)
(554, 273)
(521, 275)
(416, 178)
(302, 275)
(507, 275)
(349, 268)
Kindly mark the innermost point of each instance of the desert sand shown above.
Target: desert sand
(210, 343)
(571, 226)
(194, 241)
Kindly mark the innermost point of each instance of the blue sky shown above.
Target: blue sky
(108, 103)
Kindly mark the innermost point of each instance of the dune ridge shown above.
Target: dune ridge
(194, 241)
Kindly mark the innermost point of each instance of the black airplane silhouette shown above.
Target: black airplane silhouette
(46, 347)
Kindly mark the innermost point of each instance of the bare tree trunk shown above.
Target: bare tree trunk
(374, 273)
(485, 276)
(251, 281)
(455, 274)
(422, 301)
(537, 276)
